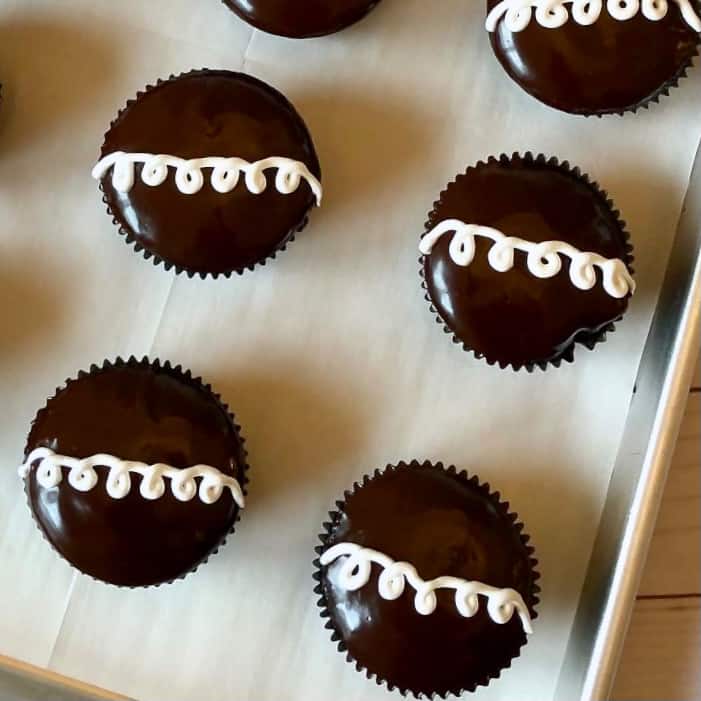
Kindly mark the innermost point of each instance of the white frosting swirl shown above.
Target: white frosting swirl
(189, 178)
(83, 477)
(551, 14)
(355, 574)
(543, 259)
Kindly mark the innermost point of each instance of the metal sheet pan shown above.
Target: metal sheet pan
(633, 500)
(640, 473)
(58, 102)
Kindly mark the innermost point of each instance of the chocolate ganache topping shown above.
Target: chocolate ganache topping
(194, 219)
(442, 524)
(608, 66)
(301, 19)
(531, 309)
(150, 413)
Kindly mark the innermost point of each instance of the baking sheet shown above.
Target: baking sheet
(329, 356)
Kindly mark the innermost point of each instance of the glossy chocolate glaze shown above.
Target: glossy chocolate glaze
(301, 19)
(443, 525)
(211, 113)
(515, 318)
(149, 414)
(610, 66)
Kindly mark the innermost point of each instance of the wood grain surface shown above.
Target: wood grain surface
(663, 648)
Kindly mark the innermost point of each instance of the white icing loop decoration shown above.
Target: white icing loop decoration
(583, 273)
(355, 573)
(586, 12)
(152, 483)
(225, 176)
(542, 259)
(501, 255)
(83, 477)
(463, 248)
(189, 178)
(551, 14)
(210, 489)
(119, 480)
(184, 486)
(153, 173)
(623, 10)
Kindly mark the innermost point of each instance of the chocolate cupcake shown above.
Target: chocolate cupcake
(427, 580)
(595, 57)
(211, 172)
(524, 257)
(135, 472)
(302, 19)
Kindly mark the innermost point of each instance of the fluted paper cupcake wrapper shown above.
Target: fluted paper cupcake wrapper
(652, 100)
(156, 259)
(589, 338)
(662, 92)
(175, 371)
(532, 599)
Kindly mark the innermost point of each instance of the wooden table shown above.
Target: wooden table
(662, 657)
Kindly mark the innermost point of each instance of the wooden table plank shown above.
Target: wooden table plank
(696, 378)
(661, 659)
(674, 562)
(45, 684)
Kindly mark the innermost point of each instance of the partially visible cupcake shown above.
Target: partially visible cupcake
(427, 580)
(210, 172)
(135, 472)
(523, 257)
(302, 19)
(595, 57)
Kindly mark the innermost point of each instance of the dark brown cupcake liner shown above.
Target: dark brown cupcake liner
(532, 599)
(590, 338)
(159, 260)
(660, 94)
(663, 91)
(654, 99)
(175, 371)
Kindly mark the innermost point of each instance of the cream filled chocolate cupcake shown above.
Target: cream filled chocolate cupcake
(595, 57)
(210, 172)
(523, 257)
(135, 472)
(426, 580)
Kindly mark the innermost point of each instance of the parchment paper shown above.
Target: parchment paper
(329, 356)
